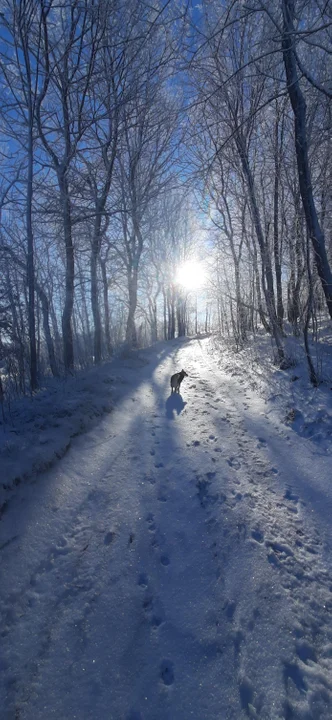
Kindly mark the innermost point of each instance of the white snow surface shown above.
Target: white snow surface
(175, 563)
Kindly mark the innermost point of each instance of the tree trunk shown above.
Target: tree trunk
(301, 146)
(47, 332)
(265, 256)
(181, 317)
(165, 315)
(46, 316)
(95, 304)
(131, 333)
(30, 264)
(276, 243)
(308, 314)
(106, 308)
(17, 338)
(67, 332)
(171, 313)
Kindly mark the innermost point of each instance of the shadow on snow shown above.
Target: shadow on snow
(174, 404)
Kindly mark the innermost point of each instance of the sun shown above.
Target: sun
(191, 275)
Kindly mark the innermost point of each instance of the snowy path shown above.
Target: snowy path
(173, 565)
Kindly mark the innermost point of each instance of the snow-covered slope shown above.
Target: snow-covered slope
(176, 563)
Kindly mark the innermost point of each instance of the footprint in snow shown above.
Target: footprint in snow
(155, 542)
(261, 442)
(153, 611)
(109, 537)
(278, 553)
(289, 495)
(229, 608)
(164, 560)
(159, 465)
(293, 672)
(247, 696)
(143, 580)
(148, 603)
(203, 490)
(156, 620)
(305, 652)
(233, 462)
(258, 536)
(167, 672)
(150, 519)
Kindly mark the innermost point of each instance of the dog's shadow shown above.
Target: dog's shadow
(174, 404)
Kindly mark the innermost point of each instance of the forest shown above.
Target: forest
(139, 139)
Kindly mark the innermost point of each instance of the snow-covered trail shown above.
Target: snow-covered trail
(168, 568)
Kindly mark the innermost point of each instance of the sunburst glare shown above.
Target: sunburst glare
(191, 275)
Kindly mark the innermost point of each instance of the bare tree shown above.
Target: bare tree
(144, 173)
(70, 40)
(297, 100)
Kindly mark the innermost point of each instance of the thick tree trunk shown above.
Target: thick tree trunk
(301, 146)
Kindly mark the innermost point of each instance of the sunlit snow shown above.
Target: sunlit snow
(176, 562)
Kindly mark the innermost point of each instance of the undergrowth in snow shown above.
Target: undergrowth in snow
(288, 394)
(36, 431)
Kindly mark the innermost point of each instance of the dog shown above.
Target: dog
(176, 380)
